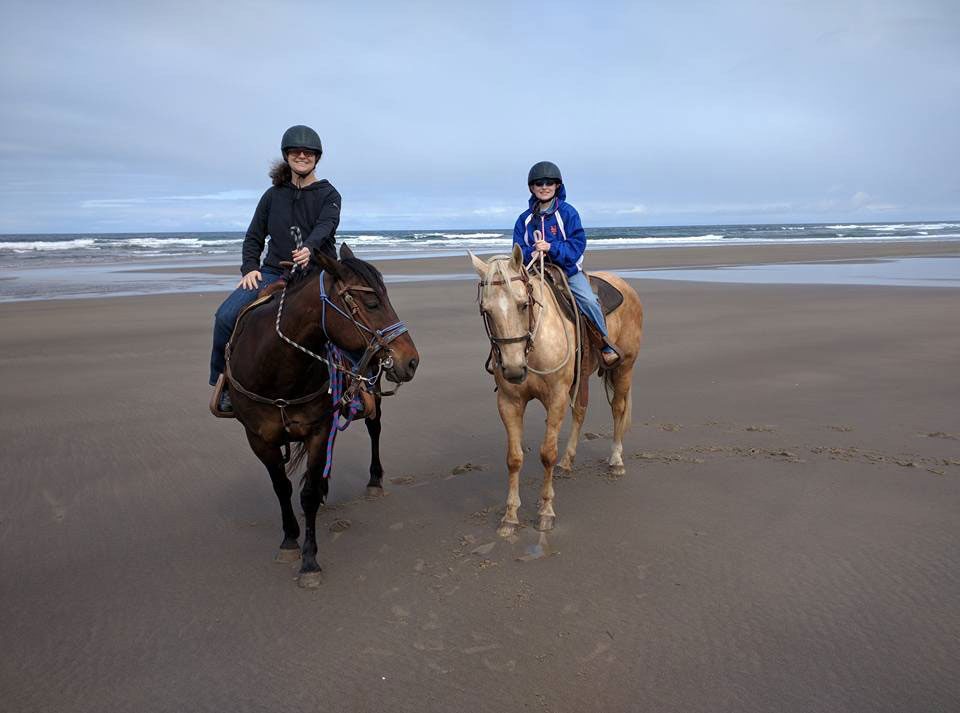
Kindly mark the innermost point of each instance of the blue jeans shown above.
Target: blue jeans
(587, 301)
(226, 319)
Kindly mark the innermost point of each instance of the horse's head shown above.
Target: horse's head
(506, 305)
(364, 317)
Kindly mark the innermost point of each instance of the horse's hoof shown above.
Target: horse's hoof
(309, 580)
(286, 556)
(617, 470)
(546, 523)
(506, 529)
(374, 491)
(565, 464)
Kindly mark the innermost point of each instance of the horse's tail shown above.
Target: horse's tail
(299, 452)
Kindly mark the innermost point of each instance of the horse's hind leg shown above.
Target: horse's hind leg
(622, 381)
(579, 412)
(375, 486)
(271, 457)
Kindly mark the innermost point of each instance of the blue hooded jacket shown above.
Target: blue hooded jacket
(560, 226)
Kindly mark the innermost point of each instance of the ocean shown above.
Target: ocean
(87, 265)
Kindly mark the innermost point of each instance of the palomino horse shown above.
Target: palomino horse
(283, 390)
(533, 346)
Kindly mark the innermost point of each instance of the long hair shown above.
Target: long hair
(280, 173)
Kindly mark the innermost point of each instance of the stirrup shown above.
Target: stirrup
(215, 399)
(617, 356)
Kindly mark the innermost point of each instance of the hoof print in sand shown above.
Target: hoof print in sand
(762, 429)
(465, 468)
(340, 525)
(403, 480)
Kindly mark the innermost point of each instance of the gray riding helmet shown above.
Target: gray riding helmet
(302, 137)
(542, 170)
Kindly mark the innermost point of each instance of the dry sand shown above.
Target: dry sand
(785, 538)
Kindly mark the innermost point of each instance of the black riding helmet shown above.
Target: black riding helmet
(301, 137)
(544, 170)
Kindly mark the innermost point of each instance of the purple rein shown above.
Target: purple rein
(340, 362)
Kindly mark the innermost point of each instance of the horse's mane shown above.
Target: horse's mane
(364, 270)
(367, 272)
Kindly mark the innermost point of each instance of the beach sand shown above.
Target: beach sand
(785, 537)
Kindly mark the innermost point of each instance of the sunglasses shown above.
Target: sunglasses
(301, 152)
(544, 183)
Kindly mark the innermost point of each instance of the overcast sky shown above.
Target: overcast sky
(165, 116)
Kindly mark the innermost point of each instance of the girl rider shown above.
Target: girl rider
(297, 199)
(552, 226)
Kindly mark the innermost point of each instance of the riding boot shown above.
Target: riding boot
(610, 355)
(224, 404)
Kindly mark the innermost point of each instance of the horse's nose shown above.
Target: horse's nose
(515, 375)
(412, 365)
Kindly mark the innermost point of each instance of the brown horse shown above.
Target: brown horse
(534, 347)
(281, 374)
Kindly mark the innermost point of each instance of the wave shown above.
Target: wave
(169, 242)
(912, 226)
(890, 227)
(459, 235)
(48, 245)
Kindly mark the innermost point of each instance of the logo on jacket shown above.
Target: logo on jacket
(553, 230)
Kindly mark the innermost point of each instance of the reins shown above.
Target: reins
(379, 340)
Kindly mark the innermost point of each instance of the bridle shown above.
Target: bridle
(378, 346)
(495, 359)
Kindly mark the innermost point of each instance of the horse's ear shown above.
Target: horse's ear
(479, 265)
(326, 262)
(517, 256)
(345, 251)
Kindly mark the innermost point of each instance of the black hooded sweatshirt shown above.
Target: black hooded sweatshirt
(315, 209)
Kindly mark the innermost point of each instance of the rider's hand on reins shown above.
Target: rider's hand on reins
(251, 280)
(301, 256)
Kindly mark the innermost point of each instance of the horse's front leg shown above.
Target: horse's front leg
(375, 486)
(312, 495)
(271, 457)
(511, 413)
(548, 457)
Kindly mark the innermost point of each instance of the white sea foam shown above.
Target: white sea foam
(171, 242)
(459, 235)
(914, 226)
(44, 245)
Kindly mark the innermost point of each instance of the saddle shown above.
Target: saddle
(610, 299)
(264, 296)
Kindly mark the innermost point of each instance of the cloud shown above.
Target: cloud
(236, 195)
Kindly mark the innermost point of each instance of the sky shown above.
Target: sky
(165, 116)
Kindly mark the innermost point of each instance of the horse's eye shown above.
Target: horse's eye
(372, 305)
(523, 306)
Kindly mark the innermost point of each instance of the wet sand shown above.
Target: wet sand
(785, 537)
(673, 257)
